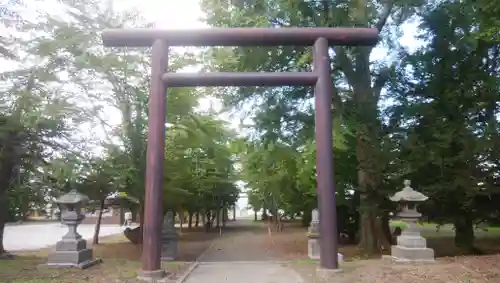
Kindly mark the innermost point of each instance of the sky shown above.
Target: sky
(170, 14)
(186, 14)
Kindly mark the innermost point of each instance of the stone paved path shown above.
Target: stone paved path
(240, 256)
(37, 236)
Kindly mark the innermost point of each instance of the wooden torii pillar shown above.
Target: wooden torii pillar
(320, 78)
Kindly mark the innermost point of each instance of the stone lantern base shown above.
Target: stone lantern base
(313, 238)
(169, 249)
(402, 254)
(313, 247)
(72, 253)
(412, 249)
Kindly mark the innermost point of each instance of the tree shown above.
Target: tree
(487, 15)
(41, 100)
(99, 181)
(25, 136)
(358, 83)
(447, 117)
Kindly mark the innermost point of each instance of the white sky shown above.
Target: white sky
(186, 14)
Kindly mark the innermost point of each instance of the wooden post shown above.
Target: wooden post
(324, 156)
(153, 204)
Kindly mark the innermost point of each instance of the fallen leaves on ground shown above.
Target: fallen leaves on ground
(461, 269)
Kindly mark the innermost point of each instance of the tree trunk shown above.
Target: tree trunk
(269, 225)
(217, 215)
(225, 217)
(7, 165)
(386, 228)
(367, 242)
(197, 220)
(234, 212)
(95, 241)
(255, 215)
(275, 219)
(464, 232)
(190, 220)
(206, 221)
(279, 224)
(122, 215)
(2, 228)
(213, 216)
(181, 218)
(373, 237)
(133, 210)
(25, 209)
(3, 218)
(141, 223)
(306, 217)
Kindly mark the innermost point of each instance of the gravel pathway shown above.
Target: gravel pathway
(241, 256)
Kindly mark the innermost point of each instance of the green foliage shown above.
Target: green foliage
(437, 130)
(447, 114)
(65, 83)
(430, 116)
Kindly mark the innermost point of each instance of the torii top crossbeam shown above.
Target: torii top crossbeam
(240, 37)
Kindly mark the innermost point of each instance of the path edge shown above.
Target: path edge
(198, 259)
(188, 272)
(195, 264)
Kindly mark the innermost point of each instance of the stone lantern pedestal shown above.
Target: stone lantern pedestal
(411, 246)
(313, 236)
(71, 250)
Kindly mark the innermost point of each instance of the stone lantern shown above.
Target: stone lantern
(313, 236)
(71, 250)
(411, 246)
(313, 241)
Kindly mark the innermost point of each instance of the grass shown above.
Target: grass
(432, 230)
(121, 262)
(27, 269)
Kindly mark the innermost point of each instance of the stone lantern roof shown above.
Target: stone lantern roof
(73, 197)
(407, 194)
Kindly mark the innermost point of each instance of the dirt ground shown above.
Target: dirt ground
(449, 267)
(121, 262)
(481, 269)
(292, 244)
(251, 242)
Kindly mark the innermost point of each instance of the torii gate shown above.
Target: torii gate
(320, 78)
